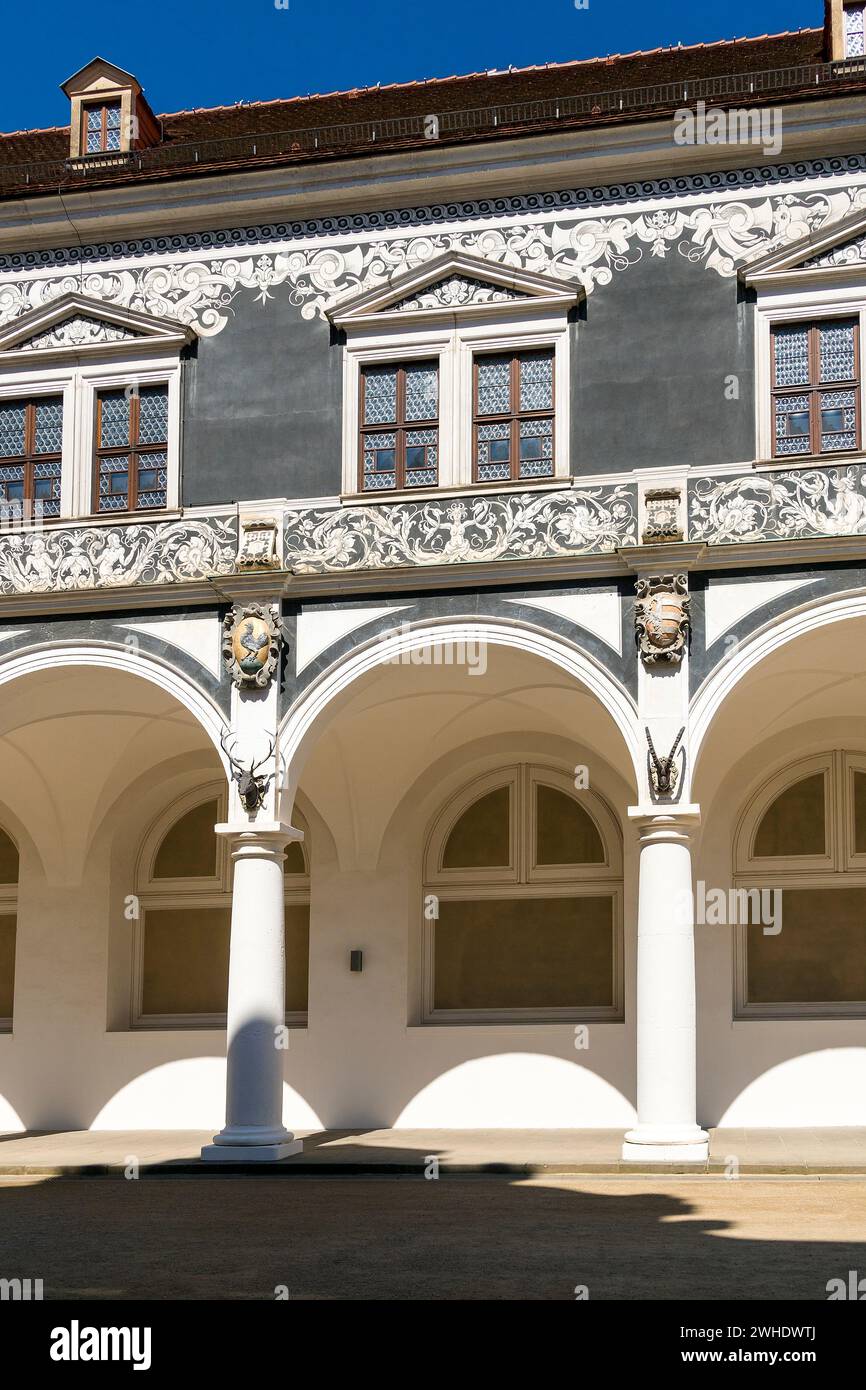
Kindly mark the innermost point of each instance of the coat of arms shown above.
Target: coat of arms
(662, 618)
(251, 644)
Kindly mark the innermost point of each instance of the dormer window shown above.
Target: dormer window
(108, 112)
(102, 128)
(855, 30)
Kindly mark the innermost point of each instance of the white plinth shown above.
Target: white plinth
(250, 1153)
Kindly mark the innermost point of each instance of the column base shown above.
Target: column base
(250, 1153)
(666, 1144)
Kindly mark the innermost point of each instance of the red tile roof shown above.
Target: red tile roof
(471, 92)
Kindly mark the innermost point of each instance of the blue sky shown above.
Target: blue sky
(213, 53)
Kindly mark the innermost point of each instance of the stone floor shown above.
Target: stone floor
(461, 1237)
(803, 1152)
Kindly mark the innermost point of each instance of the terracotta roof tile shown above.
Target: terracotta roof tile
(435, 95)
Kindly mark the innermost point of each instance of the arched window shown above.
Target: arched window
(800, 856)
(184, 890)
(523, 903)
(8, 917)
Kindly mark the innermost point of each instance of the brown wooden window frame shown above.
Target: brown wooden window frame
(30, 458)
(103, 108)
(513, 417)
(133, 450)
(400, 427)
(815, 387)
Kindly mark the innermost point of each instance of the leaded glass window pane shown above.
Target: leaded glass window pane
(536, 448)
(153, 415)
(494, 452)
(792, 425)
(380, 395)
(152, 480)
(520, 388)
(536, 383)
(399, 396)
(792, 356)
(811, 421)
(836, 348)
(48, 434)
(494, 386)
(422, 393)
(114, 484)
(855, 31)
(12, 415)
(838, 420)
(114, 420)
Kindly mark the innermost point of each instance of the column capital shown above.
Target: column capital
(268, 836)
(665, 822)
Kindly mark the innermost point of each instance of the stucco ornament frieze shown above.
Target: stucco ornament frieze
(779, 506)
(472, 530)
(719, 235)
(45, 561)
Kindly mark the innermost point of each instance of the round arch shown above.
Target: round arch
(297, 730)
(117, 658)
(721, 684)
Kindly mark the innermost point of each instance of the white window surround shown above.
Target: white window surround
(150, 355)
(525, 880)
(841, 866)
(809, 298)
(200, 892)
(538, 317)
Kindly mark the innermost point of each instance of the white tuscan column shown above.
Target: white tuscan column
(257, 838)
(254, 1130)
(667, 1130)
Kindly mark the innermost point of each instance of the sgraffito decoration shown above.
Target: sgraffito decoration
(204, 273)
(91, 557)
(251, 644)
(779, 506)
(473, 530)
(662, 620)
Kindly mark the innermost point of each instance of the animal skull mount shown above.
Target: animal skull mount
(252, 785)
(663, 773)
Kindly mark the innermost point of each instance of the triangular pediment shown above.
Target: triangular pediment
(75, 323)
(454, 283)
(831, 250)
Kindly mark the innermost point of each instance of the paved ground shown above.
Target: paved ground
(411, 1238)
(804, 1151)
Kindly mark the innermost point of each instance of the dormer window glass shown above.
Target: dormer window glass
(855, 31)
(102, 128)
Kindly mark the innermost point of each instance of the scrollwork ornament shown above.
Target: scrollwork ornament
(251, 644)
